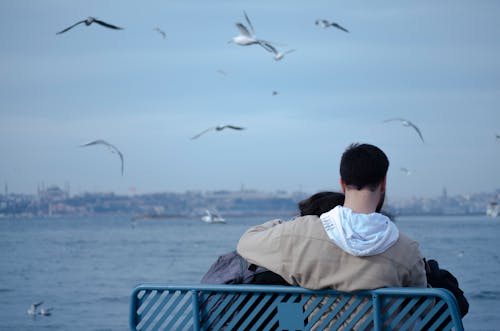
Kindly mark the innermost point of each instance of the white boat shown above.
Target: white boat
(212, 217)
(493, 209)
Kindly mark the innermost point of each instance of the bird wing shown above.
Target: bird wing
(96, 142)
(36, 304)
(70, 27)
(233, 127)
(202, 132)
(395, 119)
(289, 51)
(121, 159)
(160, 31)
(339, 27)
(249, 23)
(243, 30)
(112, 148)
(418, 131)
(111, 26)
(267, 46)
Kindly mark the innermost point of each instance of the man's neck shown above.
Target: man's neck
(362, 201)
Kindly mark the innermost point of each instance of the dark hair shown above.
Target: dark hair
(320, 203)
(363, 165)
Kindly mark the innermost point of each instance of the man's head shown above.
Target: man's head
(363, 166)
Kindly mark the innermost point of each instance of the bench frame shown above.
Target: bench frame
(258, 307)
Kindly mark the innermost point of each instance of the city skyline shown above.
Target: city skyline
(434, 64)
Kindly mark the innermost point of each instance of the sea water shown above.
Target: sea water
(85, 269)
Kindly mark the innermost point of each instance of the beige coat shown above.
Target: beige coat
(302, 253)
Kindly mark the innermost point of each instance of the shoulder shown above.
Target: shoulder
(405, 251)
(307, 227)
(404, 240)
(302, 222)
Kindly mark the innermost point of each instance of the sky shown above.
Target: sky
(434, 63)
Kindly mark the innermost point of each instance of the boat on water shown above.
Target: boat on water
(493, 209)
(212, 217)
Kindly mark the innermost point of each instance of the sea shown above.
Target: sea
(86, 268)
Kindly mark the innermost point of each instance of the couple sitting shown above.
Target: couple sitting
(340, 241)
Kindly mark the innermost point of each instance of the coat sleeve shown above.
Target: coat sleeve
(260, 245)
(417, 275)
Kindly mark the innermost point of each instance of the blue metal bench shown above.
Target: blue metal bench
(269, 307)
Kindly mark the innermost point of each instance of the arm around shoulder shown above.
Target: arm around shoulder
(260, 245)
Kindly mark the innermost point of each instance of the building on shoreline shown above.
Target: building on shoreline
(56, 202)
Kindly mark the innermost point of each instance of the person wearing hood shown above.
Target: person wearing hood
(348, 248)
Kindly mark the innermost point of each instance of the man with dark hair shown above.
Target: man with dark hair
(350, 247)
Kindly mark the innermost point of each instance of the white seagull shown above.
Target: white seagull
(111, 147)
(89, 20)
(33, 308)
(218, 128)
(407, 123)
(246, 38)
(277, 54)
(326, 24)
(160, 31)
(45, 311)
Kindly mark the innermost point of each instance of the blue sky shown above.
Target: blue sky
(436, 63)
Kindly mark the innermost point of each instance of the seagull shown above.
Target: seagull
(45, 311)
(160, 31)
(498, 137)
(406, 171)
(112, 148)
(89, 20)
(326, 24)
(222, 72)
(218, 128)
(407, 123)
(33, 308)
(279, 55)
(275, 92)
(245, 38)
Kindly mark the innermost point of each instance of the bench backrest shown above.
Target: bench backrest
(269, 307)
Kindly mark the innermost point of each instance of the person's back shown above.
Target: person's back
(350, 247)
(303, 254)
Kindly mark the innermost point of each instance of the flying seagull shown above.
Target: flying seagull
(112, 149)
(277, 54)
(498, 137)
(246, 38)
(326, 24)
(160, 31)
(407, 123)
(89, 20)
(406, 171)
(222, 72)
(218, 128)
(33, 308)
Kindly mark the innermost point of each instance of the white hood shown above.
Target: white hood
(359, 234)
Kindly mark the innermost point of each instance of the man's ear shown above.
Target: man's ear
(383, 184)
(342, 185)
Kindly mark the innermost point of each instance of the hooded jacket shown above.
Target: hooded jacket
(340, 250)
